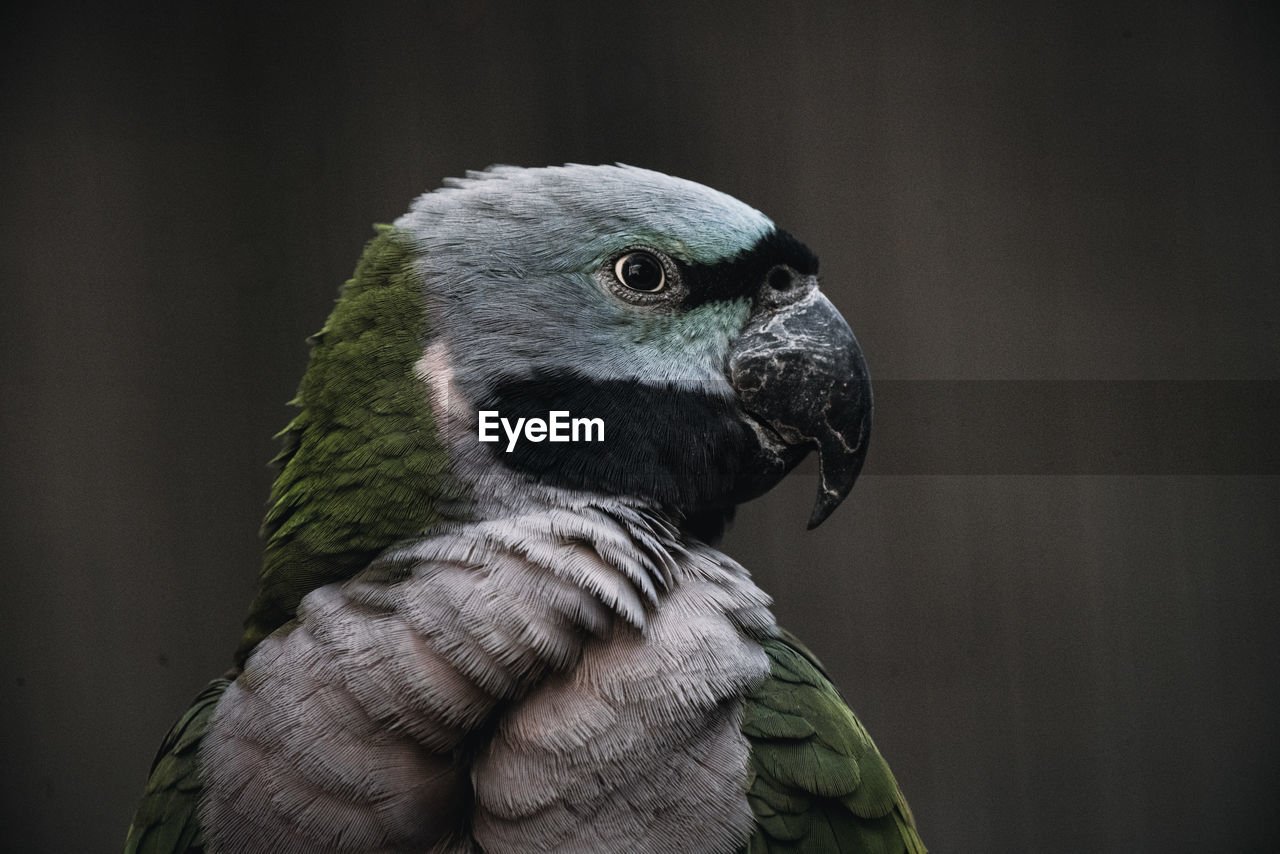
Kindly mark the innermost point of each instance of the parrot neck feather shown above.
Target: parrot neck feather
(362, 464)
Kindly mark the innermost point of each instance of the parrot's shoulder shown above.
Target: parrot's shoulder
(167, 820)
(816, 781)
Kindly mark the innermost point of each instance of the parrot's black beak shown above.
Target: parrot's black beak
(798, 370)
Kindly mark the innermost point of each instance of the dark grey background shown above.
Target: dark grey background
(1053, 601)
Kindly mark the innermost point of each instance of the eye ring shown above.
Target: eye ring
(641, 271)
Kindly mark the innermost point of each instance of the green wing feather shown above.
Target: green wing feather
(167, 820)
(816, 781)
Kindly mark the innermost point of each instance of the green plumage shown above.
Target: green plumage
(816, 782)
(167, 821)
(362, 464)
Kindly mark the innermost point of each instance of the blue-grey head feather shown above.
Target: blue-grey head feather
(519, 249)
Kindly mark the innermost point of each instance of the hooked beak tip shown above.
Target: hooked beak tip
(822, 508)
(835, 486)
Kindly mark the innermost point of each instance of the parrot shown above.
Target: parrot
(492, 615)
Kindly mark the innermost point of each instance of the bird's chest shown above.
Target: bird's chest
(636, 748)
(548, 703)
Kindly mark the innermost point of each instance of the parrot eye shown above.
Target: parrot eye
(640, 271)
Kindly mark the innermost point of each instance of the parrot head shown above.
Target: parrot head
(680, 320)
(683, 320)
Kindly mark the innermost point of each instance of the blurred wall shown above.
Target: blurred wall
(1053, 596)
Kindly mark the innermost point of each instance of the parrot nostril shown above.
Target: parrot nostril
(782, 278)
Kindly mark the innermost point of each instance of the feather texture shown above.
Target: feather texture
(362, 464)
(817, 783)
(166, 821)
(499, 681)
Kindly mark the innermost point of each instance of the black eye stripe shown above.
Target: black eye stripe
(742, 275)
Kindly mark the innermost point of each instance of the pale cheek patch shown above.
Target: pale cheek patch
(454, 414)
(435, 370)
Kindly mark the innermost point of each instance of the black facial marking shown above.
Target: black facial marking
(742, 275)
(686, 448)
